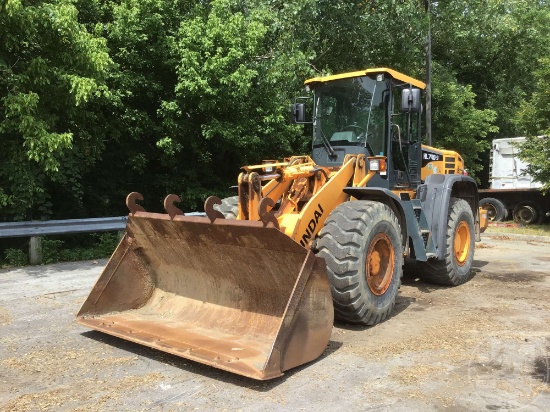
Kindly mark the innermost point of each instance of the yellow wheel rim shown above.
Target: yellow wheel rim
(380, 264)
(462, 243)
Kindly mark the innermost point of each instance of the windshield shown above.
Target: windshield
(351, 112)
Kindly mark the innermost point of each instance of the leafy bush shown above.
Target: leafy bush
(15, 257)
(55, 250)
(66, 249)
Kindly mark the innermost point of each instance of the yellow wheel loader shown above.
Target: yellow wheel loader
(253, 287)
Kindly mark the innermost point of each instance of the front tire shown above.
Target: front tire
(361, 244)
(455, 269)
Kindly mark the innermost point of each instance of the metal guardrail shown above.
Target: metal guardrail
(36, 228)
(60, 227)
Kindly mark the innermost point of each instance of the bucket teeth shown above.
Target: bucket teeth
(131, 202)
(212, 213)
(169, 206)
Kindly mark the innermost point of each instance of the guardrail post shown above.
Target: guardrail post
(35, 250)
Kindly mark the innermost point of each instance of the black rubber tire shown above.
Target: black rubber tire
(448, 271)
(496, 210)
(349, 231)
(229, 207)
(527, 213)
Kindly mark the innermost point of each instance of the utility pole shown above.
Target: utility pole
(427, 5)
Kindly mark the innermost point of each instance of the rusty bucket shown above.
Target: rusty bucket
(231, 294)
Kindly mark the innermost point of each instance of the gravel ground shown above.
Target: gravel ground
(484, 345)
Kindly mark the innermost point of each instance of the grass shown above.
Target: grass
(514, 228)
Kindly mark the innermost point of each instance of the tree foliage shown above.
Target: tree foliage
(533, 119)
(233, 62)
(102, 97)
(53, 74)
(494, 46)
(457, 123)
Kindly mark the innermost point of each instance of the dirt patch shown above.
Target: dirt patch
(411, 375)
(48, 301)
(502, 238)
(541, 370)
(541, 367)
(453, 336)
(518, 277)
(5, 318)
(92, 392)
(65, 362)
(470, 347)
(484, 246)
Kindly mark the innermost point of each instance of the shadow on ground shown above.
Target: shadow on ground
(200, 369)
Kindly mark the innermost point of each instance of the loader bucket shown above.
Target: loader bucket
(231, 294)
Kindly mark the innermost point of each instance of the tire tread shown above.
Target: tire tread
(442, 272)
(340, 244)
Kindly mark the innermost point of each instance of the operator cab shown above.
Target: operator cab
(375, 112)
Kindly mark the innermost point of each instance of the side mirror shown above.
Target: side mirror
(298, 113)
(411, 101)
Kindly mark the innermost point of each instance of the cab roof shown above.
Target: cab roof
(392, 73)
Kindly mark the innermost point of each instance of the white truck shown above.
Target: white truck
(512, 193)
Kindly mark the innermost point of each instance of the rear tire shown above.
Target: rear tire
(361, 244)
(496, 210)
(229, 207)
(527, 213)
(455, 269)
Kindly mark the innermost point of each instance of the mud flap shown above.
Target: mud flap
(231, 294)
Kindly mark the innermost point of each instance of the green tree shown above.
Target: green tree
(493, 45)
(52, 77)
(237, 71)
(104, 97)
(350, 35)
(141, 37)
(392, 34)
(201, 89)
(457, 123)
(533, 119)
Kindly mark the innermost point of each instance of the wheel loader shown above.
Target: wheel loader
(253, 287)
